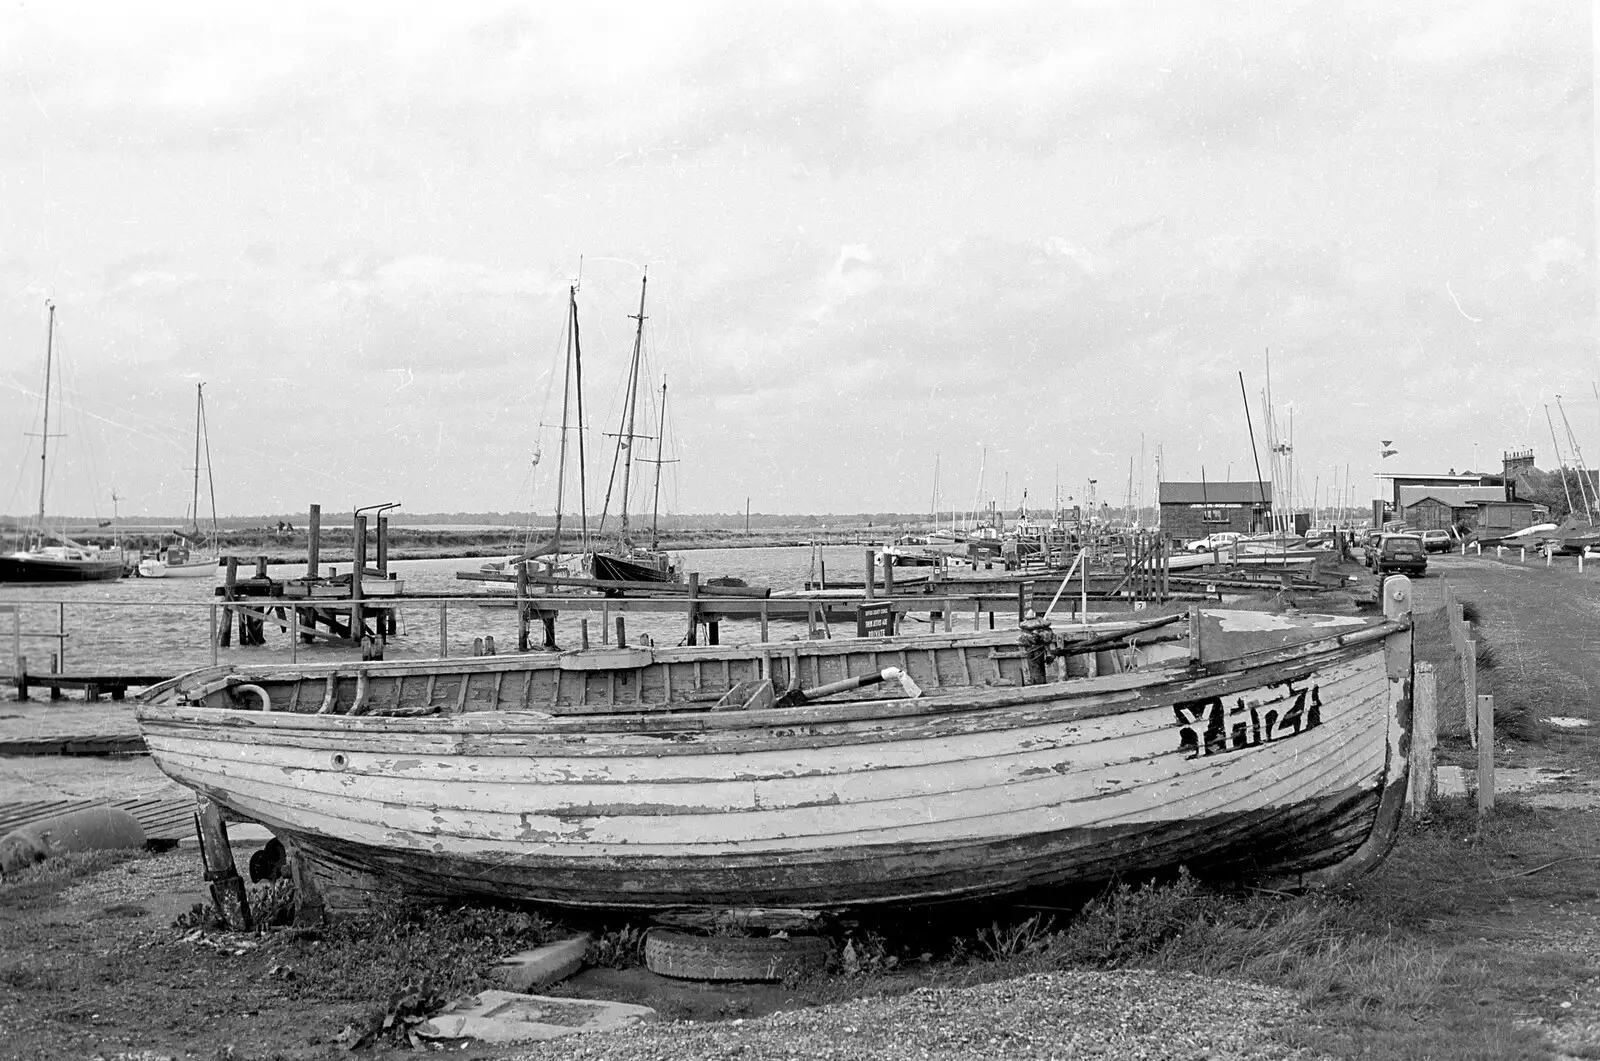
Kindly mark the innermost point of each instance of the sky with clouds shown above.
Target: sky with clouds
(1042, 239)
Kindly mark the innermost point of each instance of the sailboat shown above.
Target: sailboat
(176, 560)
(626, 561)
(68, 561)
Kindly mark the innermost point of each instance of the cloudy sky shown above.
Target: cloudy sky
(1044, 238)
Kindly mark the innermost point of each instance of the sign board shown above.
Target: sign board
(875, 620)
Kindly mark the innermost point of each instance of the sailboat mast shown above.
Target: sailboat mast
(211, 482)
(566, 401)
(194, 501)
(1583, 473)
(1559, 463)
(626, 440)
(583, 465)
(661, 434)
(44, 439)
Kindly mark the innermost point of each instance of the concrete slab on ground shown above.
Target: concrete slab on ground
(1542, 786)
(543, 966)
(508, 1017)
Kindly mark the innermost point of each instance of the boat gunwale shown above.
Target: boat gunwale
(1180, 676)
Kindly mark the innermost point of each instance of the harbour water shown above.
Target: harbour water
(162, 626)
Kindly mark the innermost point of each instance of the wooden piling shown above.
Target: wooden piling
(1422, 782)
(444, 629)
(227, 888)
(694, 596)
(383, 546)
(622, 632)
(583, 633)
(22, 677)
(522, 607)
(872, 574)
(1485, 712)
(549, 620)
(229, 580)
(313, 540)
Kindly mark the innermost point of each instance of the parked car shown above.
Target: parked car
(1437, 541)
(1369, 546)
(1400, 552)
(1219, 540)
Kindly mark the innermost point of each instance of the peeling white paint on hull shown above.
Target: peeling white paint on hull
(1282, 761)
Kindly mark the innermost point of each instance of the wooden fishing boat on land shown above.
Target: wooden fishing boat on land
(1238, 744)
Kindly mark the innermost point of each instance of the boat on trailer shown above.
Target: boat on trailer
(822, 776)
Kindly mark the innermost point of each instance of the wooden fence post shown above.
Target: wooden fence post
(1469, 666)
(1424, 738)
(1485, 707)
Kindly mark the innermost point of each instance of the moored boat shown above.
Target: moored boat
(69, 561)
(1238, 744)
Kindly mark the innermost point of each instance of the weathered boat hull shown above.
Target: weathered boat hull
(1285, 761)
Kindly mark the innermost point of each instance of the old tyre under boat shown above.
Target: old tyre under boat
(683, 956)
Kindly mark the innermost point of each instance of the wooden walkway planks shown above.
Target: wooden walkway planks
(74, 744)
(161, 817)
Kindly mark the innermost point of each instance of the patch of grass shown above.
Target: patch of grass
(39, 884)
(617, 948)
(400, 944)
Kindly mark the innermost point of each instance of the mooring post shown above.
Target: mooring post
(605, 622)
(313, 541)
(1424, 738)
(1485, 708)
(22, 677)
(694, 596)
(214, 635)
(888, 575)
(229, 579)
(227, 888)
(763, 620)
(383, 546)
(583, 633)
(522, 606)
(549, 619)
(872, 573)
(622, 631)
(444, 629)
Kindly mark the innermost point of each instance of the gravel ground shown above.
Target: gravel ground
(1576, 1033)
(1126, 1016)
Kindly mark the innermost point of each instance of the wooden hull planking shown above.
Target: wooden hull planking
(1275, 764)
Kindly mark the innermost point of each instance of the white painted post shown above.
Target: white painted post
(1522, 554)
(1548, 553)
(1477, 548)
(1580, 563)
(1485, 755)
(1499, 551)
(1424, 738)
